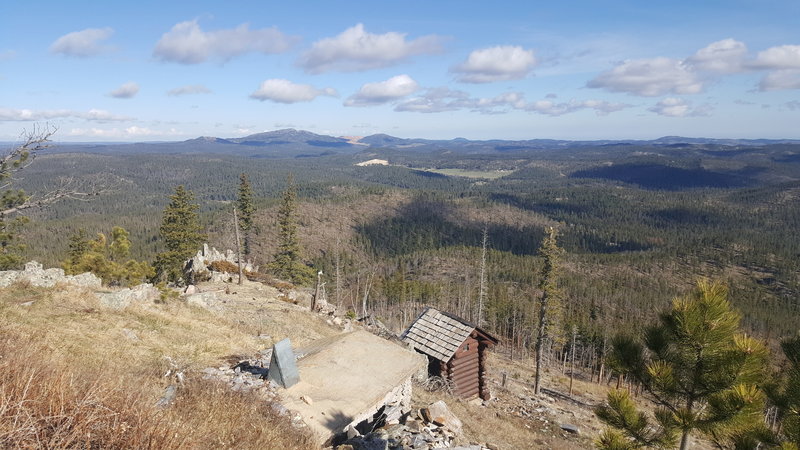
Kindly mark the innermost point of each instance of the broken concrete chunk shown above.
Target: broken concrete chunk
(442, 416)
(306, 399)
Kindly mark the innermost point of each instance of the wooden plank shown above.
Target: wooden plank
(465, 357)
(458, 372)
(468, 384)
(466, 368)
(464, 371)
(460, 353)
(461, 377)
(468, 392)
(471, 390)
(465, 380)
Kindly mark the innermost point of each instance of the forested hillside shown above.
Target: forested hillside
(639, 225)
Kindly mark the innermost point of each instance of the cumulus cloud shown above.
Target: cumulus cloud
(781, 57)
(678, 107)
(127, 90)
(189, 90)
(284, 91)
(650, 78)
(356, 49)
(23, 115)
(498, 63)
(780, 80)
(382, 92)
(82, 43)
(187, 43)
(725, 56)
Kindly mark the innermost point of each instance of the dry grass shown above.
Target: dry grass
(74, 374)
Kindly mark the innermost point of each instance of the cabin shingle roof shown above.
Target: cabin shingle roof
(437, 334)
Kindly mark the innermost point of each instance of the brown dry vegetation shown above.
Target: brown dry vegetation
(74, 374)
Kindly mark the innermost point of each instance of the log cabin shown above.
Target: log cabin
(456, 350)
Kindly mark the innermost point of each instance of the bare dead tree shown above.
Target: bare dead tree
(482, 290)
(14, 201)
(20, 157)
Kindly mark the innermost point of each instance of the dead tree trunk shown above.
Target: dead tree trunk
(238, 244)
(482, 290)
(572, 363)
(316, 292)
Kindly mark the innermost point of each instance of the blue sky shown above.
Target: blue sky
(125, 71)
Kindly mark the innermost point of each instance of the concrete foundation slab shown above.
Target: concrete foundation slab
(348, 378)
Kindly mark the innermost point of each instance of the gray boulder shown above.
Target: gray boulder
(206, 300)
(124, 297)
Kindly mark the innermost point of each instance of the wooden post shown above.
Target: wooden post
(238, 243)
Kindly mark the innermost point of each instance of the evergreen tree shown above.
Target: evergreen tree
(552, 255)
(787, 396)
(246, 210)
(287, 262)
(106, 260)
(700, 371)
(10, 248)
(182, 234)
(78, 246)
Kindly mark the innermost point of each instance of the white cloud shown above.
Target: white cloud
(100, 115)
(781, 57)
(436, 100)
(499, 63)
(186, 43)
(355, 49)
(725, 56)
(128, 132)
(444, 99)
(127, 90)
(780, 80)
(382, 92)
(678, 107)
(551, 108)
(82, 43)
(650, 78)
(284, 91)
(23, 115)
(189, 90)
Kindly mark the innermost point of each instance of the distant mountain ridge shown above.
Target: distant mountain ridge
(291, 142)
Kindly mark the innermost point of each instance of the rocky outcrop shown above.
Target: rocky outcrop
(40, 277)
(198, 268)
(124, 297)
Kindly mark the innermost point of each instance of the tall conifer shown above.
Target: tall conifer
(288, 262)
(552, 254)
(182, 234)
(246, 209)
